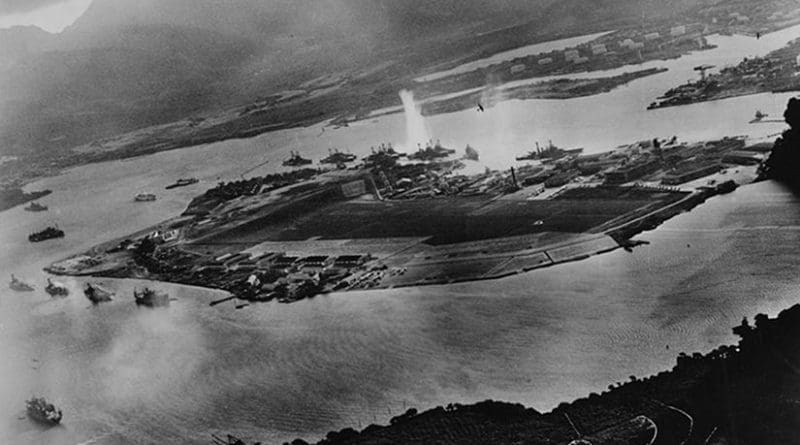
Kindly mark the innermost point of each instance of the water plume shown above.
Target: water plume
(416, 131)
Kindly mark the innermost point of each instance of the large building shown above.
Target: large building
(632, 172)
(679, 176)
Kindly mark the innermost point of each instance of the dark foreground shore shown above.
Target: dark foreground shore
(737, 394)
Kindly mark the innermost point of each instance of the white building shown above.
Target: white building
(652, 36)
(677, 31)
(598, 49)
(545, 61)
(627, 43)
(571, 54)
(518, 68)
(580, 60)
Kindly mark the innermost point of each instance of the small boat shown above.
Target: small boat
(759, 117)
(150, 298)
(43, 412)
(96, 294)
(46, 234)
(18, 285)
(183, 182)
(143, 197)
(35, 207)
(56, 289)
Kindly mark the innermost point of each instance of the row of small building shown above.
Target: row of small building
(682, 163)
(245, 262)
(574, 55)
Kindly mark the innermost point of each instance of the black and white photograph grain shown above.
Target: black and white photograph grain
(391, 222)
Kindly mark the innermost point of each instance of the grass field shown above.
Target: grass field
(444, 220)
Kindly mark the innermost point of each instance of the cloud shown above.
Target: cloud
(21, 6)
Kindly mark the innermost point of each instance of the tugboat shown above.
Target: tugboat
(150, 298)
(143, 197)
(295, 160)
(18, 285)
(43, 412)
(183, 182)
(337, 157)
(56, 289)
(46, 234)
(35, 207)
(471, 154)
(97, 294)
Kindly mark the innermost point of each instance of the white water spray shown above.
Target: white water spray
(416, 131)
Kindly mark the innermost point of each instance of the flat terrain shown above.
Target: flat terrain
(443, 221)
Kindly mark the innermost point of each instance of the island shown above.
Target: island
(776, 72)
(396, 220)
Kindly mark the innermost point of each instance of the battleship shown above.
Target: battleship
(183, 182)
(550, 153)
(35, 207)
(295, 160)
(430, 153)
(43, 412)
(150, 298)
(56, 289)
(18, 285)
(46, 234)
(143, 197)
(337, 157)
(96, 294)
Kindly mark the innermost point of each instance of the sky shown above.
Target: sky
(50, 15)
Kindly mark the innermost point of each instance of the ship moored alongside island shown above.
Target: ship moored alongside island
(337, 157)
(549, 153)
(295, 160)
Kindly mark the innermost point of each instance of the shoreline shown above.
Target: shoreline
(704, 396)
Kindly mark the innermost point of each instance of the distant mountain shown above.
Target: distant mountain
(127, 64)
(22, 41)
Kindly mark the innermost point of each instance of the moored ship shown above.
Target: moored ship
(183, 182)
(549, 153)
(46, 234)
(43, 412)
(35, 207)
(150, 298)
(295, 160)
(18, 285)
(337, 157)
(56, 289)
(431, 152)
(97, 294)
